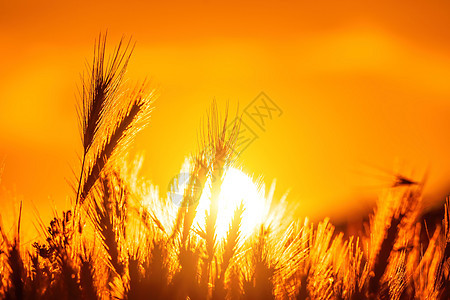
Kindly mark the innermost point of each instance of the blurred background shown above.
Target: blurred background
(362, 88)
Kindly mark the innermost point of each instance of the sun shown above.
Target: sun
(237, 188)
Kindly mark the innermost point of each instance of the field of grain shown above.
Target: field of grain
(123, 239)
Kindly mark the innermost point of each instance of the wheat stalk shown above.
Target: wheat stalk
(99, 90)
(132, 117)
(231, 245)
(104, 220)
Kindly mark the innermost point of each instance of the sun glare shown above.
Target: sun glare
(237, 188)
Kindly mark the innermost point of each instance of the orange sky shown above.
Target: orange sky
(357, 83)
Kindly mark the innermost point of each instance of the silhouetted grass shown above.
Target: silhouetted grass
(128, 242)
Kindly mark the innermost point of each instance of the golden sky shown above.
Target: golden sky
(359, 84)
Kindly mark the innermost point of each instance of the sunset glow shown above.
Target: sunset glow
(313, 139)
